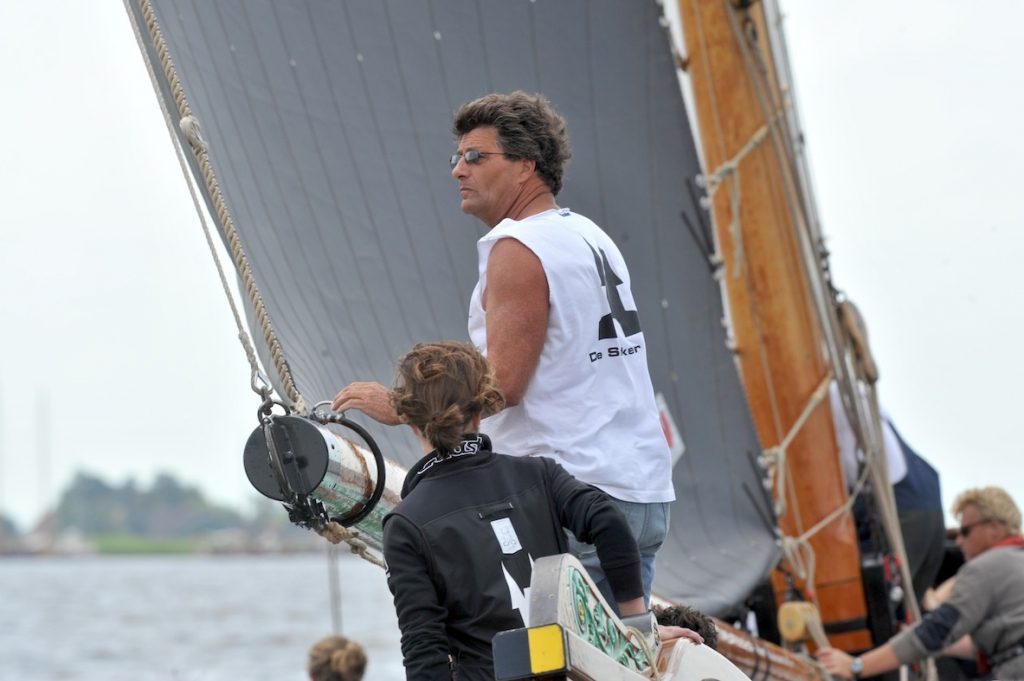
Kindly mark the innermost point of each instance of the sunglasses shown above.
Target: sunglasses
(472, 157)
(965, 530)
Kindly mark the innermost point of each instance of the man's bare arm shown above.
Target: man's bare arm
(516, 301)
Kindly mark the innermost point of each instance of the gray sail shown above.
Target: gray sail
(328, 129)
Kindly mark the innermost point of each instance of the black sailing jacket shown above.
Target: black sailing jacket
(459, 550)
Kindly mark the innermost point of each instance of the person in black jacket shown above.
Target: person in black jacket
(460, 546)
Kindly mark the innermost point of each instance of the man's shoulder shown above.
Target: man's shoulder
(1000, 554)
(994, 560)
(551, 234)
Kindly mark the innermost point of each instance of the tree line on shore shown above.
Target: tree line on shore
(167, 508)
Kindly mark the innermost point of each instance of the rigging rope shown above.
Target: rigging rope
(640, 641)
(191, 130)
(798, 552)
(715, 180)
(335, 533)
(729, 167)
(777, 454)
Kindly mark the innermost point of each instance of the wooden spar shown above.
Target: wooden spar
(760, 659)
(780, 345)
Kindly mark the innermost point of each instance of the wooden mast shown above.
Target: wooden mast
(779, 343)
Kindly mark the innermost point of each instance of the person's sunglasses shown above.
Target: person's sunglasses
(472, 157)
(965, 530)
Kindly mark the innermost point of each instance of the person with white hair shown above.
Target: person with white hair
(987, 600)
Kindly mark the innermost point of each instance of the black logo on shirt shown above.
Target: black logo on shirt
(629, 320)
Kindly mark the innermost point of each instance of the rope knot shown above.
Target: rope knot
(336, 533)
(770, 456)
(794, 551)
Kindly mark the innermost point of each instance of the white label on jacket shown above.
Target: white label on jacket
(506, 534)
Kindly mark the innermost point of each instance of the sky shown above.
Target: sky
(119, 356)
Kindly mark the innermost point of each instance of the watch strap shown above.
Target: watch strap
(856, 668)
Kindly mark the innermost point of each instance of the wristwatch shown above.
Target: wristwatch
(856, 667)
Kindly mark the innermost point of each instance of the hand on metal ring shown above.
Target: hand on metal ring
(369, 397)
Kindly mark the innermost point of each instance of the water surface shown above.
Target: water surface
(186, 618)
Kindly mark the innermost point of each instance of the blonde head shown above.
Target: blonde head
(441, 388)
(992, 503)
(336, 658)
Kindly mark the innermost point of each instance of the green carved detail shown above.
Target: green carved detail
(597, 627)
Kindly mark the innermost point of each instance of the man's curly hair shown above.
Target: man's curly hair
(528, 128)
(683, 616)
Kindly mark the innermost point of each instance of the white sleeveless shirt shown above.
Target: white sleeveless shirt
(590, 404)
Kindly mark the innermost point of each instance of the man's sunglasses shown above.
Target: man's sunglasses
(472, 157)
(965, 530)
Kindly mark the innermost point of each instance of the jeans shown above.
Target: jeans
(649, 525)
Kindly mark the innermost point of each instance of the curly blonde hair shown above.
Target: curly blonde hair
(336, 658)
(993, 503)
(441, 388)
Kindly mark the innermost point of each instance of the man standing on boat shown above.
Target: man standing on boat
(554, 313)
